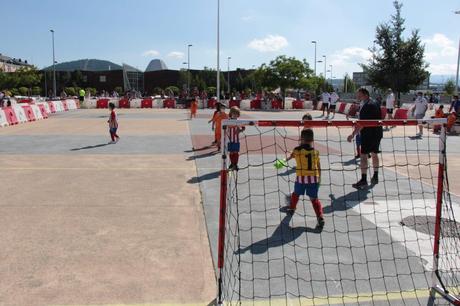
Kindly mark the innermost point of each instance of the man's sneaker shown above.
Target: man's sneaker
(360, 185)
(375, 180)
(320, 224)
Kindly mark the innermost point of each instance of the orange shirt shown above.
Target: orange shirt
(439, 113)
(217, 119)
(451, 120)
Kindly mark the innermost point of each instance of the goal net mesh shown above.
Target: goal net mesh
(377, 243)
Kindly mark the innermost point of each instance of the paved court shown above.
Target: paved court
(86, 223)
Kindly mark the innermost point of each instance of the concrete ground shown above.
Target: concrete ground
(86, 223)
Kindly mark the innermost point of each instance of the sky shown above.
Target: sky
(252, 31)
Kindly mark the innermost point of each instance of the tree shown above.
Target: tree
(396, 62)
(119, 90)
(449, 87)
(173, 89)
(283, 72)
(70, 91)
(348, 84)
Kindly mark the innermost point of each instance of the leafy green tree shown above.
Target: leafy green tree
(211, 90)
(91, 90)
(157, 90)
(23, 91)
(396, 62)
(173, 89)
(348, 84)
(70, 91)
(449, 87)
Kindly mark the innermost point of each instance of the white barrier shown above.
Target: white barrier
(135, 103)
(58, 106)
(71, 104)
(347, 108)
(308, 105)
(3, 120)
(157, 103)
(20, 113)
(115, 102)
(37, 113)
(288, 103)
(319, 105)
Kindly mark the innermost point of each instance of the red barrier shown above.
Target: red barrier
(147, 103)
(169, 103)
(26, 100)
(211, 103)
(234, 103)
(29, 112)
(64, 104)
(353, 110)
(43, 111)
(52, 108)
(102, 103)
(256, 104)
(297, 104)
(276, 104)
(341, 109)
(123, 103)
(400, 113)
(10, 115)
(383, 110)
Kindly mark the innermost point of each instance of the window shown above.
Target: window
(102, 78)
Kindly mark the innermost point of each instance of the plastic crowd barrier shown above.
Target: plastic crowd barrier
(3, 119)
(20, 113)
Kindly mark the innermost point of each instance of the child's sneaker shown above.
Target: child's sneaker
(375, 180)
(233, 167)
(320, 224)
(287, 209)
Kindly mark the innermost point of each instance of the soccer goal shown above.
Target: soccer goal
(394, 242)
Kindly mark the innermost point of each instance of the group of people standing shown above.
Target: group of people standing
(330, 100)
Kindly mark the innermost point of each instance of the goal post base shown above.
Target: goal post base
(454, 300)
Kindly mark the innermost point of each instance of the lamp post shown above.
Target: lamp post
(218, 51)
(54, 65)
(330, 69)
(325, 64)
(188, 69)
(228, 72)
(458, 63)
(314, 42)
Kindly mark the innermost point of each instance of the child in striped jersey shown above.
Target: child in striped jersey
(308, 175)
(233, 133)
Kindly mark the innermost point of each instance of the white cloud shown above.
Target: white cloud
(151, 53)
(270, 43)
(176, 54)
(440, 53)
(346, 60)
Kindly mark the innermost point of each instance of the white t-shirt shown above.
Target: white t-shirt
(334, 98)
(390, 101)
(326, 97)
(421, 105)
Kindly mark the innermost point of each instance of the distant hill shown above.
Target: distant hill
(441, 78)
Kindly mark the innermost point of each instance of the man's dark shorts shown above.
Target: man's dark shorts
(81, 98)
(389, 111)
(332, 107)
(370, 140)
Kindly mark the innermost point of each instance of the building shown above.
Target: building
(9, 64)
(360, 79)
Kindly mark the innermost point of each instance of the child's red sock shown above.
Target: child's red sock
(317, 207)
(234, 156)
(294, 200)
(112, 136)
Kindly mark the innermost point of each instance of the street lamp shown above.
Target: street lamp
(228, 71)
(325, 64)
(330, 67)
(314, 42)
(458, 63)
(218, 52)
(54, 65)
(188, 69)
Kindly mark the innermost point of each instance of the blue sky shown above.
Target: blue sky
(252, 31)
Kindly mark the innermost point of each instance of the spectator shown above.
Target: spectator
(455, 105)
(8, 103)
(451, 122)
(437, 98)
(334, 98)
(2, 95)
(63, 94)
(390, 103)
(419, 109)
(326, 98)
(81, 95)
(439, 114)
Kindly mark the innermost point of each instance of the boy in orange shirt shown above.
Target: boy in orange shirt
(219, 115)
(451, 121)
(439, 114)
(193, 108)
